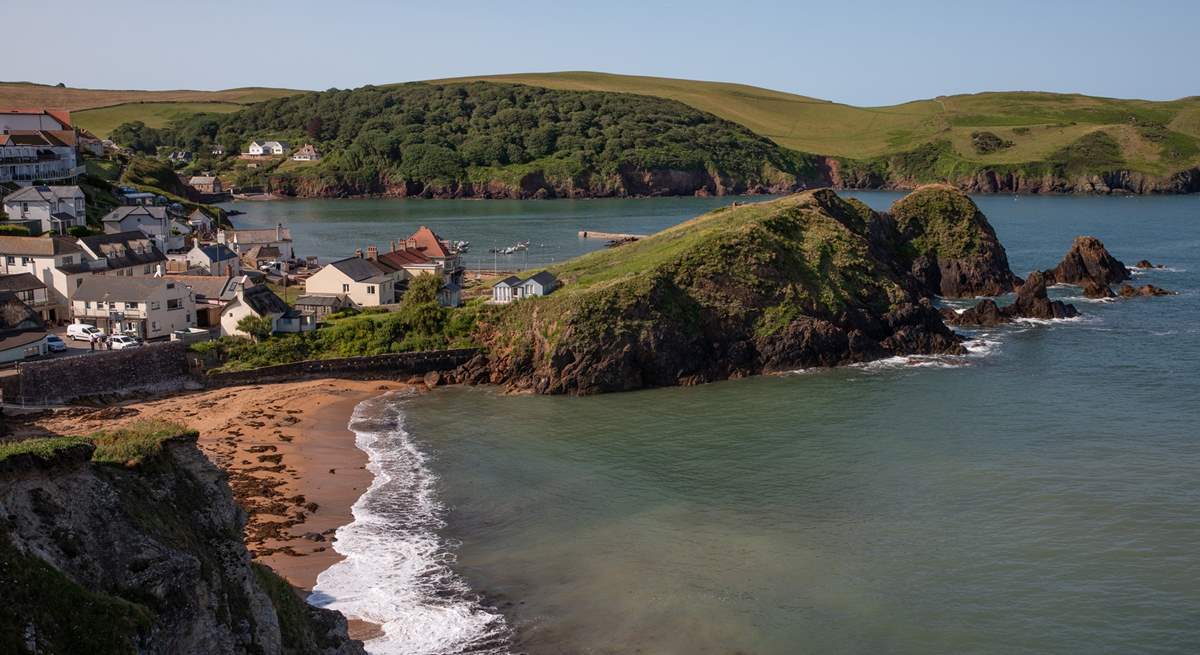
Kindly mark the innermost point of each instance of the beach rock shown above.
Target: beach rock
(1146, 290)
(1087, 259)
(1032, 301)
(985, 314)
(1145, 263)
(432, 379)
(1095, 290)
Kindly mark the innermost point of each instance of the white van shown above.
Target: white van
(83, 332)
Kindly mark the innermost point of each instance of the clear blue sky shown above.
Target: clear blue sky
(861, 52)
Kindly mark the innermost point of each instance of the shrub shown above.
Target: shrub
(14, 230)
(988, 142)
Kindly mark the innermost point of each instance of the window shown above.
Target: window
(78, 281)
(371, 289)
(147, 271)
(131, 305)
(25, 261)
(87, 304)
(154, 325)
(67, 261)
(154, 304)
(10, 260)
(345, 288)
(173, 303)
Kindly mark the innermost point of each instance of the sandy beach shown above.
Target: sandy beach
(291, 460)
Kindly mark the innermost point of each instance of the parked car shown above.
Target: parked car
(123, 341)
(54, 344)
(84, 332)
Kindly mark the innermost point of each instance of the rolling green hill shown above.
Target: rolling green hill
(103, 120)
(1156, 138)
(101, 110)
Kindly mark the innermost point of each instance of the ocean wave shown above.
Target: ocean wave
(396, 572)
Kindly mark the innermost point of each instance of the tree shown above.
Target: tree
(79, 231)
(258, 327)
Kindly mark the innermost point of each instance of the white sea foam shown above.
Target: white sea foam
(396, 569)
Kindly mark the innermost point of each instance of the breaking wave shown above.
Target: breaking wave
(396, 572)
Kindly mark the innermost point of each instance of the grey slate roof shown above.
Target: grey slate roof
(124, 248)
(218, 252)
(510, 281)
(360, 270)
(120, 288)
(264, 301)
(44, 194)
(120, 213)
(545, 278)
(321, 301)
(20, 282)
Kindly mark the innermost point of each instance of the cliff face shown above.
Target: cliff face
(104, 558)
(808, 280)
(624, 183)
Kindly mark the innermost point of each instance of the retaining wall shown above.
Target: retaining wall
(155, 366)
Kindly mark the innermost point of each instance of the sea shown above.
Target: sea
(1040, 494)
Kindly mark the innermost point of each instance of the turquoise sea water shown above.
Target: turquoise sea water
(1041, 495)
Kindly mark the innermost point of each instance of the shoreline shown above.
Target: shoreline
(289, 455)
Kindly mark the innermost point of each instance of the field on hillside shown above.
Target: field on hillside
(24, 94)
(1155, 137)
(103, 120)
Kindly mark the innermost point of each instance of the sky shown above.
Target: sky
(861, 52)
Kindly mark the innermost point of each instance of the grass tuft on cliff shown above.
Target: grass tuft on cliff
(44, 448)
(133, 444)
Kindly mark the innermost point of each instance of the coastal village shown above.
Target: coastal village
(154, 269)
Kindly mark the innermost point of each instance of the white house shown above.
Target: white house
(215, 258)
(260, 301)
(514, 288)
(242, 241)
(267, 148)
(57, 262)
(155, 222)
(200, 222)
(55, 208)
(22, 333)
(363, 281)
(307, 152)
(148, 307)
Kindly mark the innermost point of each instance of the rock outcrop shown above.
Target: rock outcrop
(1145, 263)
(1088, 259)
(808, 280)
(1031, 302)
(957, 254)
(1146, 290)
(1095, 290)
(145, 558)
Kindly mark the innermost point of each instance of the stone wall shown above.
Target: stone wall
(373, 367)
(155, 367)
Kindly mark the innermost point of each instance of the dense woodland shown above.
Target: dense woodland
(479, 132)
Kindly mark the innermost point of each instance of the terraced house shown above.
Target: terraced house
(147, 307)
(38, 145)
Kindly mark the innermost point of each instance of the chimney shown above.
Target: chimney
(228, 271)
(358, 253)
(393, 245)
(279, 231)
(372, 253)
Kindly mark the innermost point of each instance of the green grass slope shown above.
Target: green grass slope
(1154, 137)
(103, 120)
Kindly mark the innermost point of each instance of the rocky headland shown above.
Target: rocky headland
(808, 280)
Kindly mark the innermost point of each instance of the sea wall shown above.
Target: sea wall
(158, 367)
(373, 367)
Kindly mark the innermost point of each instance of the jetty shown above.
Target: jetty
(610, 236)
